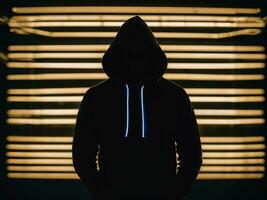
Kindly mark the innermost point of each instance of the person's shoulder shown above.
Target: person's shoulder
(174, 87)
(98, 88)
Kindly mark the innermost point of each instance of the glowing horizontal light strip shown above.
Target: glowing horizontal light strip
(40, 161)
(41, 168)
(101, 47)
(63, 139)
(38, 112)
(232, 169)
(225, 91)
(56, 65)
(42, 91)
(171, 65)
(231, 121)
(69, 154)
(243, 139)
(50, 161)
(200, 35)
(232, 146)
(101, 76)
(230, 176)
(32, 121)
(228, 99)
(150, 24)
(233, 154)
(114, 17)
(68, 146)
(67, 121)
(68, 139)
(203, 168)
(193, 91)
(246, 56)
(75, 176)
(135, 9)
(44, 99)
(43, 175)
(39, 154)
(215, 66)
(234, 161)
(217, 77)
(69, 112)
(39, 146)
(224, 112)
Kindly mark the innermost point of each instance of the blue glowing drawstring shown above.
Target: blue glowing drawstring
(127, 108)
(143, 121)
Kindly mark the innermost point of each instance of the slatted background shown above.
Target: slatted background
(216, 54)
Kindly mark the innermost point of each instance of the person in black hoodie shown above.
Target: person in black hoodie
(131, 123)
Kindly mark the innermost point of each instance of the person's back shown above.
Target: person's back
(132, 120)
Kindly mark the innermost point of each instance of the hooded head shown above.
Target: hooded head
(134, 56)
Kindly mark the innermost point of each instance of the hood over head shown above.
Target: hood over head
(134, 56)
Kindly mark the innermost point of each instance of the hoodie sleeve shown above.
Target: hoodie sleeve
(85, 146)
(188, 148)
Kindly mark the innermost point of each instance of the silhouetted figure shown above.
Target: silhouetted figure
(132, 121)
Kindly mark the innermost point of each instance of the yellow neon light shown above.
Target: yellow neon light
(230, 176)
(63, 139)
(225, 91)
(68, 147)
(232, 169)
(32, 112)
(135, 9)
(243, 139)
(232, 146)
(221, 112)
(41, 168)
(225, 112)
(215, 66)
(206, 112)
(20, 24)
(43, 175)
(69, 155)
(71, 121)
(203, 168)
(101, 47)
(41, 121)
(234, 161)
(81, 90)
(51, 161)
(233, 154)
(42, 91)
(171, 76)
(75, 176)
(39, 154)
(171, 65)
(68, 139)
(114, 17)
(231, 121)
(44, 98)
(246, 56)
(248, 31)
(228, 99)
(56, 65)
(39, 146)
(58, 161)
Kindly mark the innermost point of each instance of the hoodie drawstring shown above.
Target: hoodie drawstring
(127, 108)
(127, 111)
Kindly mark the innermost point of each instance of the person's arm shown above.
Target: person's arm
(188, 148)
(85, 146)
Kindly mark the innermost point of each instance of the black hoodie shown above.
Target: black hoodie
(132, 121)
